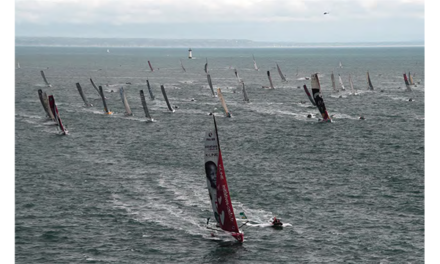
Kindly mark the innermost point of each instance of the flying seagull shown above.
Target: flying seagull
(326, 13)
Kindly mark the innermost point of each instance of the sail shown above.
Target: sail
(280, 73)
(190, 53)
(410, 78)
(149, 64)
(101, 92)
(18, 65)
(206, 66)
(308, 95)
(351, 83)
(370, 85)
(94, 86)
(150, 91)
(166, 98)
(340, 64)
(406, 82)
(270, 79)
(236, 75)
(125, 102)
(340, 82)
(181, 64)
(245, 96)
(46, 102)
(319, 101)
(218, 186)
(255, 63)
(144, 105)
(45, 106)
(78, 86)
(222, 100)
(333, 82)
(44, 78)
(54, 110)
(210, 84)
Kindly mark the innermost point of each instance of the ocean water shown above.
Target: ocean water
(120, 190)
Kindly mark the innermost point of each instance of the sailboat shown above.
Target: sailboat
(55, 113)
(107, 111)
(281, 74)
(149, 64)
(319, 101)
(333, 83)
(407, 84)
(150, 91)
(222, 100)
(125, 102)
(206, 66)
(308, 95)
(370, 85)
(144, 105)
(255, 63)
(94, 86)
(238, 77)
(245, 96)
(166, 98)
(181, 64)
(218, 188)
(270, 79)
(210, 84)
(351, 85)
(18, 65)
(45, 102)
(340, 64)
(410, 79)
(81, 93)
(44, 78)
(340, 82)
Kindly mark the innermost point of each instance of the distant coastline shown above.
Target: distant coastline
(193, 43)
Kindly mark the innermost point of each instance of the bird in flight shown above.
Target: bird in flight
(326, 13)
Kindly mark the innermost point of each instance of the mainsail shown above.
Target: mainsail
(370, 85)
(78, 86)
(54, 110)
(222, 100)
(150, 91)
(280, 73)
(218, 186)
(101, 92)
(410, 78)
(44, 78)
(144, 105)
(181, 64)
(210, 84)
(255, 63)
(125, 102)
(340, 82)
(308, 95)
(166, 98)
(316, 87)
(45, 104)
(407, 84)
(149, 64)
(206, 66)
(270, 79)
(245, 96)
(333, 83)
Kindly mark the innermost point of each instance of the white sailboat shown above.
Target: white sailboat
(340, 82)
(353, 92)
(255, 63)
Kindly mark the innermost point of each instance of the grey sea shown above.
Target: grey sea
(118, 189)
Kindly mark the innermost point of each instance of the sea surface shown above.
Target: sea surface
(119, 189)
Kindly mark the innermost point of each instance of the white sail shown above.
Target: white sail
(222, 100)
(340, 65)
(255, 63)
(125, 102)
(351, 84)
(18, 65)
(238, 77)
(340, 82)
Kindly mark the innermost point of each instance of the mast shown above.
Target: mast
(78, 86)
(101, 92)
(150, 91)
(308, 95)
(210, 84)
(44, 78)
(166, 98)
(222, 100)
(280, 73)
(270, 79)
(319, 101)
(125, 102)
(144, 105)
(370, 85)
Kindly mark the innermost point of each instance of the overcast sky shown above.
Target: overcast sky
(260, 20)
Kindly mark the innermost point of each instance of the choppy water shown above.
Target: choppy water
(120, 190)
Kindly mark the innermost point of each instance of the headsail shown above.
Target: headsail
(144, 105)
(222, 100)
(245, 96)
(125, 102)
(181, 64)
(78, 86)
(210, 84)
(54, 110)
(270, 79)
(316, 87)
(255, 63)
(166, 98)
(101, 92)
(149, 64)
(150, 91)
(280, 73)
(370, 85)
(218, 186)
(333, 83)
(308, 95)
(340, 82)
(44, 78)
